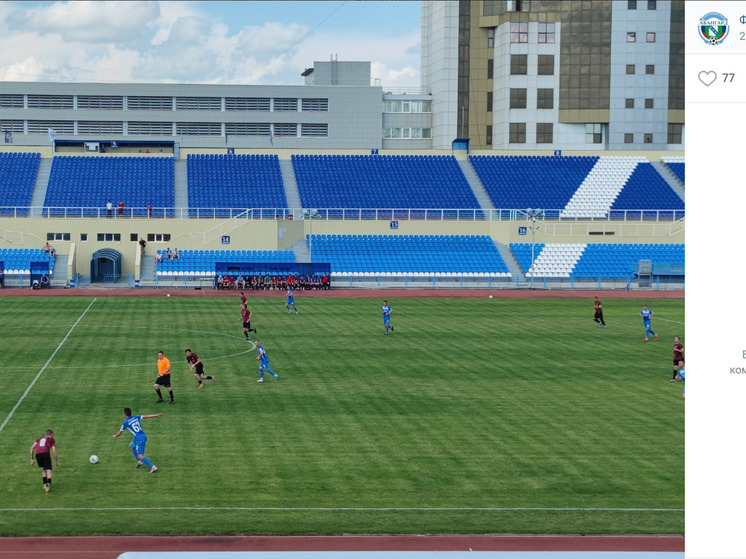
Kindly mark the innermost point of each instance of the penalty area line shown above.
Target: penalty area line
(343, 509)
(33, 382)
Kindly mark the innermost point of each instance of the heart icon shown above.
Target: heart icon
(708, 78)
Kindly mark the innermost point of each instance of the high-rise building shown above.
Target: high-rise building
(562, 74)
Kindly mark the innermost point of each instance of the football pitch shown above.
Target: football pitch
(473, 416)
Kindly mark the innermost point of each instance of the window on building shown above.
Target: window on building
(49, 101)
(198, 129)
(285, 104)
(650, 69)
(546, 32)
(285, 129)
(315, 105)
(58, 236)
(159, 237)
(11, 101)
(138, 103)
(314, 129)
(519, 32)
(630, 69)
(247, 128)
(198, 103)
(649, 103)
(490, 68)
(647, 138)
(100, 102)
(488, 139)
(593, 134)
(109, 237)
(650, 37)
(675, 132)
(631, 4)
(629, 103)
(518, 64)
(544, 132)
(629, 138)
(489, 101)
(517, 98)
(517, 133)
(546, 65)
(652, 5)
(84, 237)
(247, 104)
(491, 38)
(545, 98)
(631, 36)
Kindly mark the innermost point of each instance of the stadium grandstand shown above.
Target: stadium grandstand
(344, 179)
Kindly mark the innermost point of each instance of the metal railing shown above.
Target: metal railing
(339, 214)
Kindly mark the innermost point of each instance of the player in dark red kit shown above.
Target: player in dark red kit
(598, 315)
(678, 355)
(246, 319)
(196, 366)
(43, 447)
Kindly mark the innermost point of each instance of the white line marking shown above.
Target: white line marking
(33, 382)
(347, 509)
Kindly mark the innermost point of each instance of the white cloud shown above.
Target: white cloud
(181, 42)
(88, 22)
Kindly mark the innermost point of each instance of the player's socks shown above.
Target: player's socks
(147, 462)
(172, 396)
(160, 396)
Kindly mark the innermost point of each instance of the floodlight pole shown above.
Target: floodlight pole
(310, 235)
(532, 214)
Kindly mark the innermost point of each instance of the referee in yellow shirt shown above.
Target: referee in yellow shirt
(164, 378)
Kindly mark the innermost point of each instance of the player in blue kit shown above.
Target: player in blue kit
(682, 376)
(290, 302)
(261, 356)
(132, 424)
(646, 315)
(386, 311)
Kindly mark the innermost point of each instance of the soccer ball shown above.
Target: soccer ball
(490, 297)
(93, 459)
(168, 295)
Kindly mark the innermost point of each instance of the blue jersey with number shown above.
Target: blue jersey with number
(262, 355)
(646, 314)
(132, 424)
(290, 297)
(386, 310)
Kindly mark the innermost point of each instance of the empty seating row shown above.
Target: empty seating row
(382, 181)
(232, 183)
(18, 260)
(597, 260)
(91, 182)
(406, 254)
(17, 177)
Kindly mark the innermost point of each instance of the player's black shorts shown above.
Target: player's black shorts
(247, 325)
(199, 369)
(44, 459)
(164, 380)
(676, 361)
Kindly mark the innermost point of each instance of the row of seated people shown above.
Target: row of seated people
(274, 283)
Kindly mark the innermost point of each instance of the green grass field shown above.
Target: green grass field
(474, 416)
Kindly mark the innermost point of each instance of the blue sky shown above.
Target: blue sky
(206, 42)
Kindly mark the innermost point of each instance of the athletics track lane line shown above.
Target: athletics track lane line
(33, 382)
